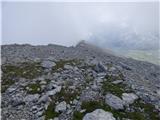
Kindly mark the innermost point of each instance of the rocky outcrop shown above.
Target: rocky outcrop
(65, 83)
(99, 114)
(129, 98)
(48, 64)
(114, 102)
(61, 107)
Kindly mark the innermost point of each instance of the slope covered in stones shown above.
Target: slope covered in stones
(76, 83)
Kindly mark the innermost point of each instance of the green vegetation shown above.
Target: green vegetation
(33, 88)
(144, 55)
(5, 84)
(78, 115)
(66, 94)
(148, 109)
(61, 63)
(88, 78)
(111, 78)
(141, 111)
(116, 89)
(109, 65)
(50, 112)
(25, 70)
(91, 105)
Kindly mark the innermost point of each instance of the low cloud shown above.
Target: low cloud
(67, 23)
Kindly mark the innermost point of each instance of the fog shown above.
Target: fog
(67, 23)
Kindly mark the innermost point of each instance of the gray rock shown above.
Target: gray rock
(117, 81)
(44, 99)
(61, 107)
(46, 105)
(41, 118)
(100, 68)
(68, 67)
(17, 102)
(112, 69)
(114, 101)
(31, 98)
(54, 91)
(11, 89)
(56, 118)
(34, 108)
(101, 75)
(129, 98)
(48, 64)
(43, 82)
(125, 66)
(39, 113)
(158, 92)
(75, 101)
(99, 114)
(90, 95)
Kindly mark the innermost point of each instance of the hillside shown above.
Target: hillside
(76, 83)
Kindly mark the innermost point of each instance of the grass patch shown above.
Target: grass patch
(116, 89)
(66, 95)
(148, 109)
(111, 78)
(24, 70)
(5, 84)
(91, 105)
(50, 112)
(88, 78)
(33, 88)
(78, 115)
(149, 112)
(61, 63)
(109, 65)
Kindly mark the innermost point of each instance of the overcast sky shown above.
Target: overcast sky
(66, 23)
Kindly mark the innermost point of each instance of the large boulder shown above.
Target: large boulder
(99, 114)
(44, 98)
(114, 101)
(100, 68)
(48, 64)
(125, 66)
(31, 98)
(54, 91)
(90, 95)
(129, 98)
(17, 102)
(61, 107)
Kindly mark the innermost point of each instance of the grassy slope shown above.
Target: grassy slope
(152, 56)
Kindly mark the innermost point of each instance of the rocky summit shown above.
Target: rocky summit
(81, 82)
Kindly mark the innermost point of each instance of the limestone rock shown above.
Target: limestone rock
(62, 106)
(48, 64)
(129, 98)
(31, 98)
(114, 101)
(99, 114)
(101, 68)
(44, 98)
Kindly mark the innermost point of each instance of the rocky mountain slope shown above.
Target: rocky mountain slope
(76, 83)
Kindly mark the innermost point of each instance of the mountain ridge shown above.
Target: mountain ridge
(57, 76)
